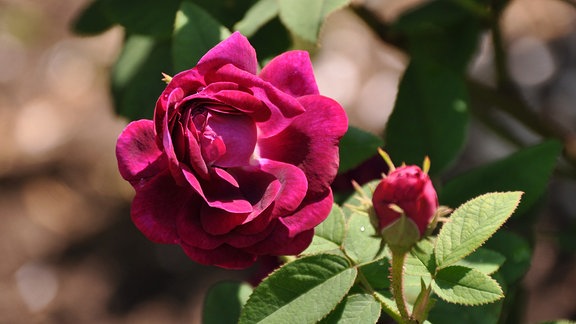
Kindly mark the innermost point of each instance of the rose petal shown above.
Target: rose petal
(169, 98)
(218, 193)
(224, 256)
(292, 73)
(218, 222)
(314, 211)
(311, 141)
(137, 153)
(294, 185)
(190, 229)
(234, 50)
(156, 206)
(226, 176)
(282, 106)
(280, 242)
(255, 231)
(232, 96)
(238, 133)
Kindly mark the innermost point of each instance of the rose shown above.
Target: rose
(410, 189)
(235, 164)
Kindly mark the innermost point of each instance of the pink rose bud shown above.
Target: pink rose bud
(406, 191)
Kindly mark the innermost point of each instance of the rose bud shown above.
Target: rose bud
(237, 163)
(405, 203)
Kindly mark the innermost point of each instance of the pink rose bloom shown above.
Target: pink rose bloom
(236, 164)
(411, 189)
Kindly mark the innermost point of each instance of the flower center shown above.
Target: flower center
(226, 139)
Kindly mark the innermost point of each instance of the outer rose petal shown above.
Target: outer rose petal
(235, 50)
(292, 73)
(224, 256)
(156, 206)
(294, 185)
(311, 141)
(280, 242)
(313, 211)
(137, 153)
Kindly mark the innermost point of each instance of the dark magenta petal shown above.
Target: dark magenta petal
(218, 193)
(218, 222)
(294, 185)
(238, 134)
(168, 100)
(173, 164)
(224, 256)
(280, 242)
(292, 73)
(157, 205)
(226, 176)
(190, 229)
(137, 153)
(231, 97)
(282, 106)
(234, 50)
(261, 189)
(311, 141)
(244, 102)
(312, 212)
(259, 229)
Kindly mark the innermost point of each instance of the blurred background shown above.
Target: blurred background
(69, 253)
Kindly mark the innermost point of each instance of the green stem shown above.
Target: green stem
(500, 57)
(397, 273)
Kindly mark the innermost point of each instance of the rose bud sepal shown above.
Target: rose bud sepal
(439, 217)
(401, 234)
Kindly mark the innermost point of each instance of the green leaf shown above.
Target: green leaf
(322, 245)
(92, 20)
(257, 16)
(271, 40)
(302, 291)
(507, 174)
(483, 260)
(332, 228)
(137, 75)
(430, 116)
(461, 285)
(305, 17)
(195, 33)
(329, 235)
(444, 312)
(443, 32)
(517, 252)
(387, 301)
(355, 309)
(362, 244)
(472, 224)
(357, 146)
(419, 265)
(226, 295)
(431, 112)
(377, 273)
(227, 12)
(145, 17)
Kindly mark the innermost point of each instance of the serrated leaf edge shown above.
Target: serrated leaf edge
(350, 266)
(495, 230)
(471, 304)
